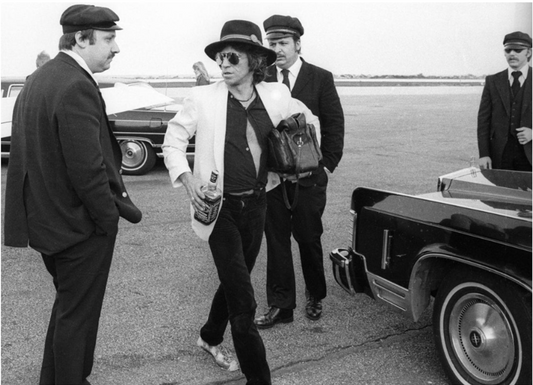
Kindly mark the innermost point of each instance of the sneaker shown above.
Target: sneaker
(222, 356)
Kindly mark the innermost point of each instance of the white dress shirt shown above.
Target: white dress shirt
(522, 78)
(294, 70)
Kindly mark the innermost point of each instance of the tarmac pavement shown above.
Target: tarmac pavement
(162, 278)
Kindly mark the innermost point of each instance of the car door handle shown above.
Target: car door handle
(385, 251)
(155, 122)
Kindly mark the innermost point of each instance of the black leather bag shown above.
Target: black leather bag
(293, 149)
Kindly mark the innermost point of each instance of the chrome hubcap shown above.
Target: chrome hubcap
(482, 338)
(133, 154)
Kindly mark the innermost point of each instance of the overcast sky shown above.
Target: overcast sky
(378, 38)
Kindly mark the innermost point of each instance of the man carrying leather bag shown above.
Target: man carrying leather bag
(314, 87)
(294, 151)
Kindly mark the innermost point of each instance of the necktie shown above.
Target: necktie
(285, 74)
(516, 83)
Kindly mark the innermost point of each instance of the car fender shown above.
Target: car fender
(432, 266)
(121, 138)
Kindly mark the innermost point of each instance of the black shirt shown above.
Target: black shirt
(239, 168)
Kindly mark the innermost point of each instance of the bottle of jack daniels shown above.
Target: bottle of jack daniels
(212, 200)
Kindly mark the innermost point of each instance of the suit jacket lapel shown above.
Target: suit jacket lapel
(272, 104)
(220, 104)
(117, 153)
(502, 85)
(526, 102)
(526, 112)
(302, 79)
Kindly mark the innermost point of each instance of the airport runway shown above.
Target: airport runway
(162, 278)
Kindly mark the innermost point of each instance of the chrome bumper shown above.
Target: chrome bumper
(344, 270)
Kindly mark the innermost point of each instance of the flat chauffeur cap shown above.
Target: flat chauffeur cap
(81, 17)
(278, 27)
(517, 40)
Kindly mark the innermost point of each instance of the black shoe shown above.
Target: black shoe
(313, 308)
(273, 316)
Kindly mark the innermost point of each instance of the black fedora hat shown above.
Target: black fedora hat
(244, 32)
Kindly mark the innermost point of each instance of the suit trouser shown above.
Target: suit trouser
(514, 156)
(80, 276)
(305, 224)
(235, 243)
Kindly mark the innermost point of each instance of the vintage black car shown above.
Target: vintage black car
(140, 132)
(466, 251)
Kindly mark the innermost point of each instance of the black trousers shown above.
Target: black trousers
(514, 156)
(305, 224)
(235, 243)
(80, 276)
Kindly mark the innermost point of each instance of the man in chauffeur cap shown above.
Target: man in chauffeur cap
(64, 191)
(313, 86)
(504, 117)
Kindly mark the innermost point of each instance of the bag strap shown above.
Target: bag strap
(292, 205)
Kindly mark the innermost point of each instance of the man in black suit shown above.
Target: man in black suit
(504, 117)
(315, 87)
(64, 191)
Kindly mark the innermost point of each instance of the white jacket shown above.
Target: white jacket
(204, 115)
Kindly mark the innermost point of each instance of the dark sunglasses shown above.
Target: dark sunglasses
(517, 50)
(233, 58)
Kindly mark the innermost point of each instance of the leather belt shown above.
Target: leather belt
(246, 193)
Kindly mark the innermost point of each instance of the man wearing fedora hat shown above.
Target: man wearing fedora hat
(64, 191)
(314, 86)
(504, 117)
(231, 120)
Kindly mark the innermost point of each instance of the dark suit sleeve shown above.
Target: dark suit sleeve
(79, 114)
(484, 119)
(331, 118)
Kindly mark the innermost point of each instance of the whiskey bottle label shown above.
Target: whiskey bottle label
(210, 211)
(212, 200)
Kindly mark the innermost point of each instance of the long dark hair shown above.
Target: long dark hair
(257, 61)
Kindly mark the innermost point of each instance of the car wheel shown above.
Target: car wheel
(482, 329)
(138, 157)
